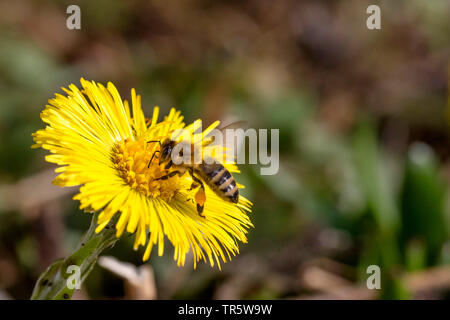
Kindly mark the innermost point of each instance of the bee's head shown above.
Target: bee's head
(166, 150)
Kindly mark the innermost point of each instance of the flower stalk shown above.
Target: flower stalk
(57, 283)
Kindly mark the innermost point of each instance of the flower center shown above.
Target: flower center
(131, 159)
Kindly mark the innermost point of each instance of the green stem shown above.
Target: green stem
(57, 282)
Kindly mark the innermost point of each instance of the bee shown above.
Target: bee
(205, 171)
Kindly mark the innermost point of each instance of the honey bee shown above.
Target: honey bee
(205, 171)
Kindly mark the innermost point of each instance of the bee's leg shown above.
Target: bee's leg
(194, 185)
(170, 175)
(200, 196)
(168, 165)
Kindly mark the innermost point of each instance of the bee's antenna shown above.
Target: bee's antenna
(152, 141)
(154, 153)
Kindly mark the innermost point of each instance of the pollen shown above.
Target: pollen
(132, 162)
(104, 145)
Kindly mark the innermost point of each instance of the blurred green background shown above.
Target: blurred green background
(364, 138)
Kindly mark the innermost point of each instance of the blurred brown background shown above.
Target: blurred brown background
(364, 138)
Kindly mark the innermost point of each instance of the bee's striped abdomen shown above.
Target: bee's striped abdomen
(221, 181)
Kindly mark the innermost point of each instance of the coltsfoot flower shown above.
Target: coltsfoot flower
(101, 144)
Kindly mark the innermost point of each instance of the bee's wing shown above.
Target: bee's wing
(224, 136)
(235, 125)
(218, 136)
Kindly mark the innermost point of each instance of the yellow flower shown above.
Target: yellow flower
(101, 143)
